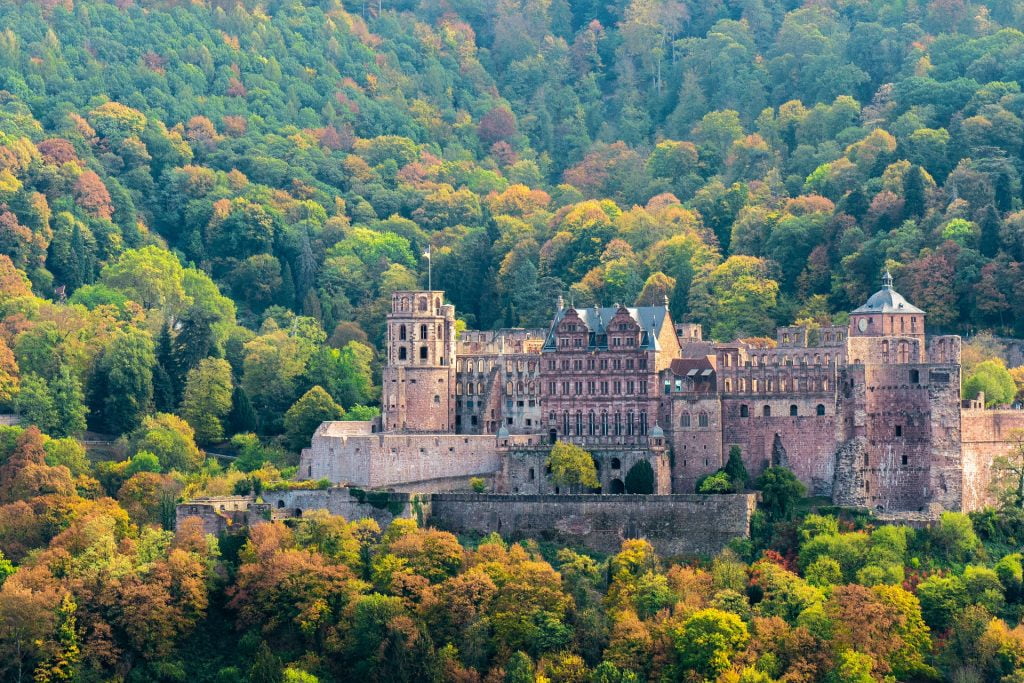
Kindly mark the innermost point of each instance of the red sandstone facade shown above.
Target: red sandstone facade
(870, 414)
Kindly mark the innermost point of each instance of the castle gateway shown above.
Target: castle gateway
(870, 414)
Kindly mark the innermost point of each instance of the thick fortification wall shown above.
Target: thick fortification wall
(986, 435)
(675, 525)
(399, 460)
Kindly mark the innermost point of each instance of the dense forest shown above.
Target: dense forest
(204, 209)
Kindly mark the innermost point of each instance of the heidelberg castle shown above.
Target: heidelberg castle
(870, 414)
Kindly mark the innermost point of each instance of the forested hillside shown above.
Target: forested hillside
(204, 209)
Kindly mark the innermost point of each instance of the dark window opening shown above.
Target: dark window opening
(744, 411)
(767, 411)
(793, 410)
(423, 353)
(401, 353)
(820, 410)
(899, 430)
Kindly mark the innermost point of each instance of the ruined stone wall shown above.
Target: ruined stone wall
(412, 461)
(986, 435)
(696, 447)
(901, 435)
(351, 503)
(805, 442)
(525, 470)
(675, 525)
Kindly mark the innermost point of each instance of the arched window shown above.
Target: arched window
(728, 385)
(767, 411)
(604, 424)
(519, 387)
(480, 366)
(744, 411)
(458, 388)
(469, 388)
(616, 464)
(508, 388)
(591, 423)
(685, 421)
(702, 420)
(579, 423)
(423, 303)
(401, 332)
(820, 410)
(480, 388)
(793, 410)
(742, 385)
(401, 353)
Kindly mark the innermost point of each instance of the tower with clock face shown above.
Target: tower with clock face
(887, 314)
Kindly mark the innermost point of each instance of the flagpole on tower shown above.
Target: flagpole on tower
(430, 280)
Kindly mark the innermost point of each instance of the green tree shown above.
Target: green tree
(640, 478)
(571, 466)
(780, 490)
(207, 399)
(69, 402)
(266, 666)
(302, 419)
(993, 379)
(735, 469)
(64, 663)
(707, 640)
(151, 276)
(519, 668)
(35, 403)
(122, 385)
(171, 439)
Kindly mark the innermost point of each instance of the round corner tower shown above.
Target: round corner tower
(419, 371)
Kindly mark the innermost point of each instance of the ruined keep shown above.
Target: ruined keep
(870, 414)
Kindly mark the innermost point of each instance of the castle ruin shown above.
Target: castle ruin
(870, 414)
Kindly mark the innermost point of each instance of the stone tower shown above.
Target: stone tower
(887, 314)
(419, 373)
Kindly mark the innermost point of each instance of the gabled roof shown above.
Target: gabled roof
(888, 300)
(649, 318)
(692, 367)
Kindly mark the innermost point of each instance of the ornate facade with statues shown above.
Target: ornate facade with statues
(869, 414)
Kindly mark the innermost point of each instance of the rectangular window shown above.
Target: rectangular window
(643, 363)
(604, 388)
(643, 387)
(630, 387)
(629, 363)
(551, 388)
(616, 388)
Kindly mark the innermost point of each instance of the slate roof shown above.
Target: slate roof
(650, 318)
(888, 300)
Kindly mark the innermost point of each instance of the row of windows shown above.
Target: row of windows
(421, 303)
(482, 366)
(802, 384)
(794, 410)
(403, 354)
(404, 334)
(603, 364)
(577, 342)
(765, 360)
(594, 388)
(604, 424)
